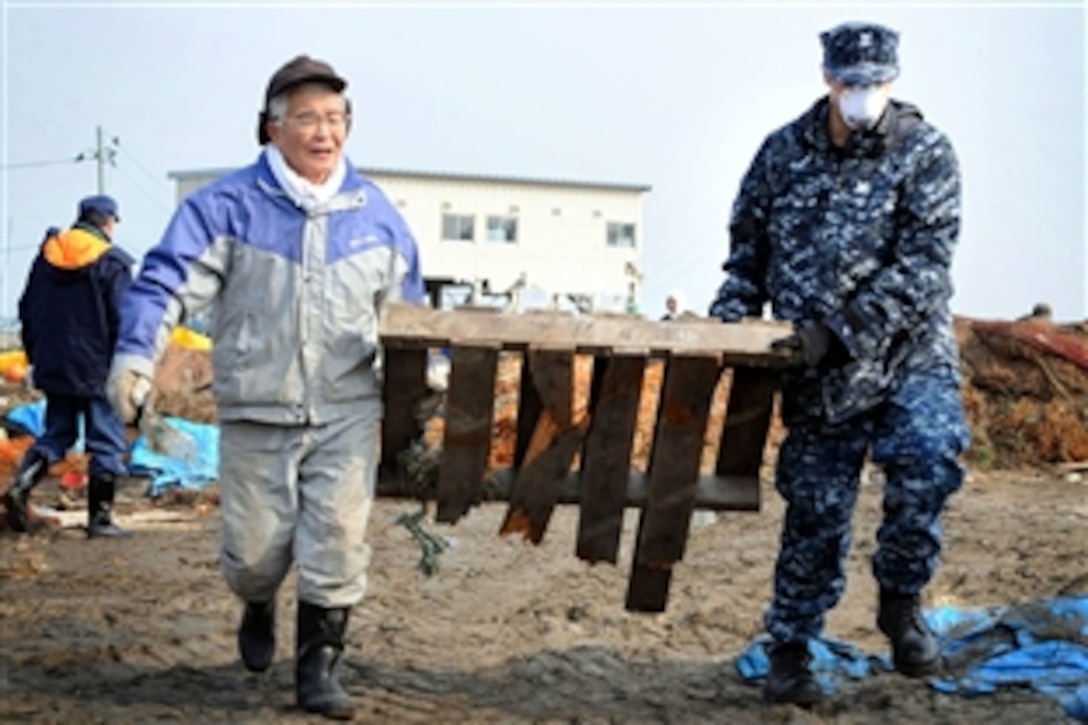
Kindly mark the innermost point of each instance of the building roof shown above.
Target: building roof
(446, 176)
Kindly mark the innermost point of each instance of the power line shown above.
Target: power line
(23, 247)
(142, 190)
(136, 162)
(38, 164)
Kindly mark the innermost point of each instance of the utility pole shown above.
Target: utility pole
(100, 157)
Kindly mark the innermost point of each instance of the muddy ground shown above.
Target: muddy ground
(142, 629)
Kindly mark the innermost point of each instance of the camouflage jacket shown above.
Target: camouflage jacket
(858, 238)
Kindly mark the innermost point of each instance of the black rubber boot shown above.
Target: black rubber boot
(790, 680)
(100, 507)
(320, 642)
(17, 499)
(257, 635)
(914, 648)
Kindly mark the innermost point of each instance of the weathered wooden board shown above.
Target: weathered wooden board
(556, 437)
(405, 372)
(606, 459)
(674, 472)
(470, 409)
(744, 434)
(745, 343)
(529, 409)
(714, 493)
(552, 430)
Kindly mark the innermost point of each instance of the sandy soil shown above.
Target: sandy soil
(142, 629)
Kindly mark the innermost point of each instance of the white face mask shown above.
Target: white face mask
(862, 106)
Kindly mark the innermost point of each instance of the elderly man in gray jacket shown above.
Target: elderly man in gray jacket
(293, 256)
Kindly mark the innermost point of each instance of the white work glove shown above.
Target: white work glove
(128, 390)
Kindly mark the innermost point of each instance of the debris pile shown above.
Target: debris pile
(1026, 391)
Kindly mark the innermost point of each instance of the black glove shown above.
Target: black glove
(814, 346)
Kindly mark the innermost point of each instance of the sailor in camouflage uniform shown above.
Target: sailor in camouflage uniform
(846, 223)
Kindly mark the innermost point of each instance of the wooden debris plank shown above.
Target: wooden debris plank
(674, 471)
(556, 437)
(530, 407)
(467, 441)
(606, 459)
(405, 385)
(744, 434)
(716, 493)
(741, 343)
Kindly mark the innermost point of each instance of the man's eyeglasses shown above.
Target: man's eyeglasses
(309, 121)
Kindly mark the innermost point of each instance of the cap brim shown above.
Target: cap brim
(864, 74)
(334, 82)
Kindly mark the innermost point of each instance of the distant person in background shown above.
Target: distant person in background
(294, 257)
(846, 222)
(674, 305)
(69, 315)
(1041, 312)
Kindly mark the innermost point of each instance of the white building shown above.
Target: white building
(530, 242)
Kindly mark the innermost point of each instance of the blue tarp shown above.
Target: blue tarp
(194, 471)
(29, 418)
(1042, 646)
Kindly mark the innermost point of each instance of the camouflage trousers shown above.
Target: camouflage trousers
(916, 437)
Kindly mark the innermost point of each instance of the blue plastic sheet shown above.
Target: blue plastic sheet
(30, 419)
(1041, 646)
(192, 472)
(832, 662)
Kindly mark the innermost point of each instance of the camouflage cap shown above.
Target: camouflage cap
(861, 53)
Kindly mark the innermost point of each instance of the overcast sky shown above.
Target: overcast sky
(674, 95)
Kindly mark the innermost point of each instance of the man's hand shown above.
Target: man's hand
(813, 346)
(128, 391)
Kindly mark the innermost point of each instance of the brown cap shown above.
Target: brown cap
(302, 69)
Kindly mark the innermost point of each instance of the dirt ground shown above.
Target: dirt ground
(143, 629)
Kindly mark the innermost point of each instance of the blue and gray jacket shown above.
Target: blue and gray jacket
(293, 296)
(858, 238)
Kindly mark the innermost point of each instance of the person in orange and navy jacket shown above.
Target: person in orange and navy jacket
(69, 313)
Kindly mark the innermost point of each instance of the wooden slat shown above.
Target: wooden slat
(716, 493)
(747, 419)
(674, 471)
(405, 385)
(469, 412)
(740, 343)
(529, 409)
(606, 460)
(556, 438)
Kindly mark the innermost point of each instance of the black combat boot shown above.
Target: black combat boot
(320, 642)
(257, 635)
(790, 680)
(100, 505)
(17, 499)
(914, 648)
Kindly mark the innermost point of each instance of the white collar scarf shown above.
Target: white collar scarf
(306, 194)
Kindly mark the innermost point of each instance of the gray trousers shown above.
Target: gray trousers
(299, 494)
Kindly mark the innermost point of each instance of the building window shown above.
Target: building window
(503, 229)
(458, 228)
(621, 235)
